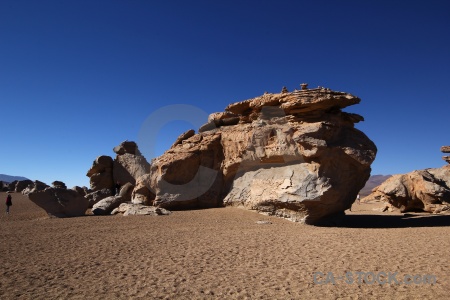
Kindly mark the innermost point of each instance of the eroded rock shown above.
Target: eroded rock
(59, 202)
(295, 155)
(422, 190)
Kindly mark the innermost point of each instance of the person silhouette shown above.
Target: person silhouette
(8, 203)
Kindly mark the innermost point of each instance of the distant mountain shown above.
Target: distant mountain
(373, 182)
(9, 178)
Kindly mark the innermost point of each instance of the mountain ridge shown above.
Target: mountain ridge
(11, 178)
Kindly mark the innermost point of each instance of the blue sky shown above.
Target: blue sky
(79, 77)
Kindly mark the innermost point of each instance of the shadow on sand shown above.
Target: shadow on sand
(394, 221)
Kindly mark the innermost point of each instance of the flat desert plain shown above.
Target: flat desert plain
(222, 253)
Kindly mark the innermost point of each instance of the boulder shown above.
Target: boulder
(141, 192)
(127, 147)
(183, 136)
(21, 185)
(34, 187)
(130, 209)
(445, 149)
(129, 167)
(216, 117)
(421, 190)
(125, 191)
(295, 155)
(83, 191)
(96, 196)
(59, 184)
(12, 185)
(129, 163)
(107, 205)
(101, 173)
(58, 202)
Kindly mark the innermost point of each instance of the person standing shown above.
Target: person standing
(8, 203)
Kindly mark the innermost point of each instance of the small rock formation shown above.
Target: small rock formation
(35, 186)
(141, 192)
(21, 185)
(125, 169)
(183, 136)
(294, 154)
(421, 190)
(59, 184)
(107, 205)
(446, 149)
(83, 191)
(129, 163)
(125, 191)
(58, 202)
(100, 174)
(126, 147)
(98, 195)
(129, 209)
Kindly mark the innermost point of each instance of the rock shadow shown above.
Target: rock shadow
(394, 221)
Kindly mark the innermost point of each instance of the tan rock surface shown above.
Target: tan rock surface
(141, 192)
(59, 202)
(100, 174)
(295, 155)
(422, 190)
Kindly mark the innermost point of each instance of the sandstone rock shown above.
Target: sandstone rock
(129, 209)
(129, 167)
(34, 187)
(98, 195)
(12, 186)
(107, 205)
(183, 136)
(216, 117)
(216, 123)
(189, 177)
(83, 191)
(446, 158)
(422, 190)
(101, 173)
(141, 192)
(21, 185)
(445, 149)
(125, 191)
(58, 202)
(59, 184)
(294, 155)
(127, 147)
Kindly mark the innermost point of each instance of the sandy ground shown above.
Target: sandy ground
(221, 254)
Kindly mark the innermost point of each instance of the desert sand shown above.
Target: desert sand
(220, 253)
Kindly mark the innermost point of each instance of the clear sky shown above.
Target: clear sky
(79, 77)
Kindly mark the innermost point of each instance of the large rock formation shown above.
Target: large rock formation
(58, 202)
(129, 163)
(100, 174)
(422, 190)
(128, 166)
(293, 155)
